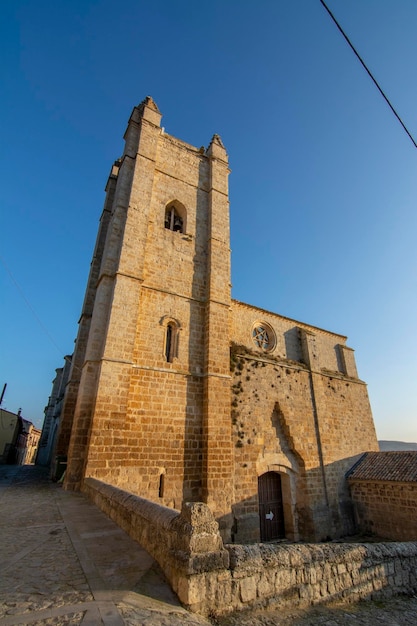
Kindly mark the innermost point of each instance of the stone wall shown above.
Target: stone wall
(300, 575)
(187, 545)
(386, 509)
(214, 579)
(298, 409)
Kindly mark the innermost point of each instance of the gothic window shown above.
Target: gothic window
(169, 341)
(173, 219)
(263, 336)
(171, 338)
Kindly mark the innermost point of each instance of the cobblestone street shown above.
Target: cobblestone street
(63, 562)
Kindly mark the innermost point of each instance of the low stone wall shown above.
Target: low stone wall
(186, 545)
(305, 574)
(211, 578)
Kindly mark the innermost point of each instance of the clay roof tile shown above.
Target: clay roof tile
(386, 466)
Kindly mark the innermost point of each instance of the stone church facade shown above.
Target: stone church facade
(177, 392)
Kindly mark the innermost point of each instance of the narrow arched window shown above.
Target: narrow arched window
(161, 485)
(169, 340)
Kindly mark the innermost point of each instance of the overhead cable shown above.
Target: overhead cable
(368, 72)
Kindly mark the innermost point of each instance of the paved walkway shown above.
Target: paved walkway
(64, 563)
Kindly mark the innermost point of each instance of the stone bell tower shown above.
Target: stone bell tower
(148, 405)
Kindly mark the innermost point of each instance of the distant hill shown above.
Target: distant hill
(393, 446)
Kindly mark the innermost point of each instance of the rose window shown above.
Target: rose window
(263, 336)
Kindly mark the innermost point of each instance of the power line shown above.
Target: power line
(368, 72)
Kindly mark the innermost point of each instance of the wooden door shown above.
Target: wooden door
(271, 510)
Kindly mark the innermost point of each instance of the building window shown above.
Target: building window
(171, 338)
(161, 485)
(169, 342)
(263, 336)
(173, 220)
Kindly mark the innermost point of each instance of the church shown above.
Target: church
(177, 392)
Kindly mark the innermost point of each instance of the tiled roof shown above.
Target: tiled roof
(391, 466)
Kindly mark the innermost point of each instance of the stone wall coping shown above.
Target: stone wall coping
(151, 511)
(259, 556)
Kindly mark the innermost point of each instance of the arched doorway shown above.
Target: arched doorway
(271, 510)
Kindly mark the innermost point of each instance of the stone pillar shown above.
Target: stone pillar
(320, 505)
(218, 461)
(348, 361)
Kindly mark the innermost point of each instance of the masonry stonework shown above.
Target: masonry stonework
(383, 487)
(388, 510)
(179, 393)
(214, 579)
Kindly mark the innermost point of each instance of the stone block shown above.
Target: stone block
(248, 589)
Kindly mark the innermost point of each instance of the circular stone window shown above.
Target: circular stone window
(263, 336)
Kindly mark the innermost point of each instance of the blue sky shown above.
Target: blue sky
(323, 187)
